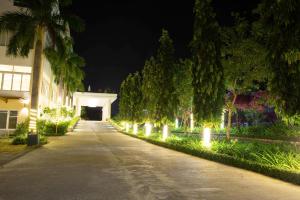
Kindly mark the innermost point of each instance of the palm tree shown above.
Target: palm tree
(29, 26)
(66, 65)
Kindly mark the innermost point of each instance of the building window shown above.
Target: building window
(7, 79)
(25, 82)
(6, 68)
(15, 78)
(3, 119)
(8, 119)
(13, 119)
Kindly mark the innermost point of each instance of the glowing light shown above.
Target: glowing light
(135, 129)
(206, 137)
(148, 128)
(92, 103)
(165, 132)
(127, 126)
(123, 124)
(176, 123)
(24, 112)
(192, 122)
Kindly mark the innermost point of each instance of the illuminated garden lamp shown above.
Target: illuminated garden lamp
(206, 137)
(135, 129)
(176, 123)
(127, 127)
(148, 128)
(123, 124)
(165, 132)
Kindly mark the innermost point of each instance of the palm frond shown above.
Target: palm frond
(74, 22)
(21, 41)
(11, 21)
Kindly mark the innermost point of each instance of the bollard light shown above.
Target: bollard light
(135, 129)
(176, 123)
(206, 137)
(123, 124)
(148, 128)
(127, 127)
(165, 132)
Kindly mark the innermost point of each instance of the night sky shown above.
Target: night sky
(121, 35)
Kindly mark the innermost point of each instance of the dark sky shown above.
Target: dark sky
(121, 35)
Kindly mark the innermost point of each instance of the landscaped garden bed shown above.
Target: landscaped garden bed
(280, 161)
(275, 131)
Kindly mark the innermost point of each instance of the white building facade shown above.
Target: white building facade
(15, 82)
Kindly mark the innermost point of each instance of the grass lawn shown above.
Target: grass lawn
(9, 151)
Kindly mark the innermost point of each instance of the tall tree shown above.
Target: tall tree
(167, 97)
(150, 89)
(184, 89)
(29, 26)
(279, 30)
(131, 98)
(244, 62)
(208, 76)
(124, 100)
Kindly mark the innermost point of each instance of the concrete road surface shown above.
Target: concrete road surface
(97, 162)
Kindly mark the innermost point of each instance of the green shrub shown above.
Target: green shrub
(19, 139)
(273, 131)
(43, 139)
(22, 128)
(73, 122)
(49, 128)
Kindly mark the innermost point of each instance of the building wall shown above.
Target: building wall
(7, 5)
(12, 100)
(15, 105)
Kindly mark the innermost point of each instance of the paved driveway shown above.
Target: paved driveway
(97, 162)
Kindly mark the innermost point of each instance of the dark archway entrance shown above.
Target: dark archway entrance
(91, 113)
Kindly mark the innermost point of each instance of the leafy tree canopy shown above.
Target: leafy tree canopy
(208, 77)
(279, 29)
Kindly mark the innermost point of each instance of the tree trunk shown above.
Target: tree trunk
(230, 116)
(37, 77)
(228, 124)
(65, 95)
(61, 92)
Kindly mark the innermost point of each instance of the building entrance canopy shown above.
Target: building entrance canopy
(90, 99)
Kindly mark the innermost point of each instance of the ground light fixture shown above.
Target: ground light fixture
(123, 124)
(148, 128)
(176, 123)
(207, 137)
(192, 122)
(135, 128)
(24, 112)
(127, 126)
(165, 132)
